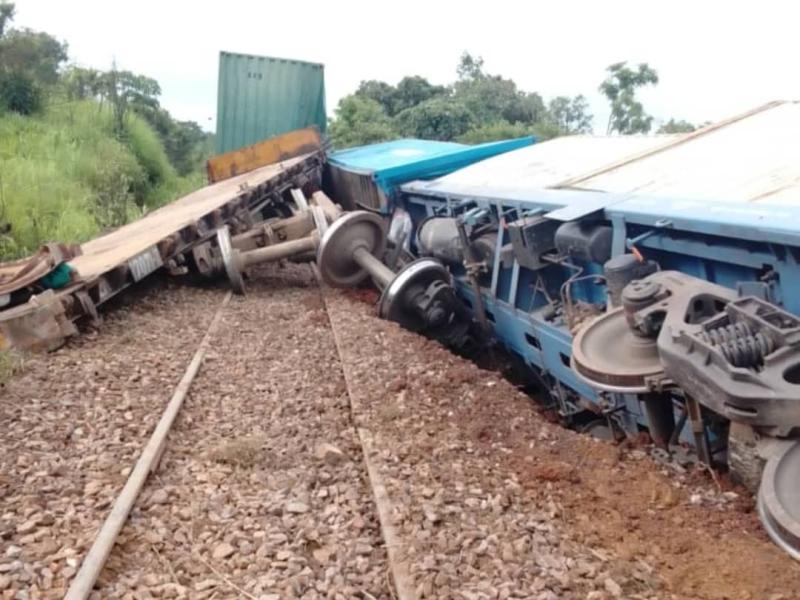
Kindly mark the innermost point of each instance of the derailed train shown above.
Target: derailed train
(649, 283)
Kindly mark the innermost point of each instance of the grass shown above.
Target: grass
(11, 362)
(245, 452)
(65, 177)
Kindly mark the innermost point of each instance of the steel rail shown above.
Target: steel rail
(95, 559)
(402, 579)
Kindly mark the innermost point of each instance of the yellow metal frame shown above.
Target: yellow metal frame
(282, 147)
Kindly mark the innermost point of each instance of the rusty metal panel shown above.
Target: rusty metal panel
(163, 226)
(19, 274)
(354, 190)
(266, 152)
(262, 96)
(39, 324)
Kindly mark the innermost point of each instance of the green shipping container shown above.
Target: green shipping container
(260, 96)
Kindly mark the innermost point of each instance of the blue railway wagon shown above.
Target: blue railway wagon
(650, 282)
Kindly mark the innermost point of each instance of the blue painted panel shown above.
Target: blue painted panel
(751, 247)
(747, 260)
(739, 221)
(538, 342)
(388, 155)
(394, 163)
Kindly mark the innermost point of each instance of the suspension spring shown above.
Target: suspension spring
(740, 346)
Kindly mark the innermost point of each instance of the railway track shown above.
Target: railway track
(262, 485)
(322, 453)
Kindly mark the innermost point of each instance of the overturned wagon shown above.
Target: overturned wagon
(180, 237)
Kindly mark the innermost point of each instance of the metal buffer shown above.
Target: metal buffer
(418, 297)
(237, 255)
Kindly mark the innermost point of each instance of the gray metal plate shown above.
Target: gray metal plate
(779, 497)
(335, 253)
(232, 271)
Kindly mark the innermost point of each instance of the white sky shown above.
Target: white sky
(714, 58)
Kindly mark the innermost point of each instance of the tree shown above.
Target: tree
(409, 92)
(469, 67)
(493, 99)
(627, 114)
(19, 93)
(359, 120)
(414, 90)
(379, 91)
(523, 107)
(83, 84)
(28, 60)
(570, 115)
(7, 10)
(673, 126)
(125, 90)
(478, 107)
(185, 143)
(35, 53)
(439, 118)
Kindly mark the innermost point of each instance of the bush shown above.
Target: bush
(65, 177)
(41, 195)
(20, 93)
(493, 132)
(359, 121)
(114, 183)
(503, 130)
(148, 150)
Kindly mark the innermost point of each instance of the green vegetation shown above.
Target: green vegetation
(477, 107)
(675, 126)
(360, 120)
(11, 362)
(439, 118)
(627, 114)
(64, 175)
(82, 150)
(481, 107)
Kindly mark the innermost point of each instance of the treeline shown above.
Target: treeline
(32, 71)
(82, 149)
(186, 144)
(481, 107)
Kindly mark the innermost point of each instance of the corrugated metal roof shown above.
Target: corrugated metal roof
(754, 157)
(546, 164)
(261, 96)
(750, 158)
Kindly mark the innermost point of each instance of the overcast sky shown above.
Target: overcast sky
(714, 58)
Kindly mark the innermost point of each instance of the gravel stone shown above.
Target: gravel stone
(297, 507)
(612, 587)
(159, 496)
(330, 454)
(223, 550)
(262, 486)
